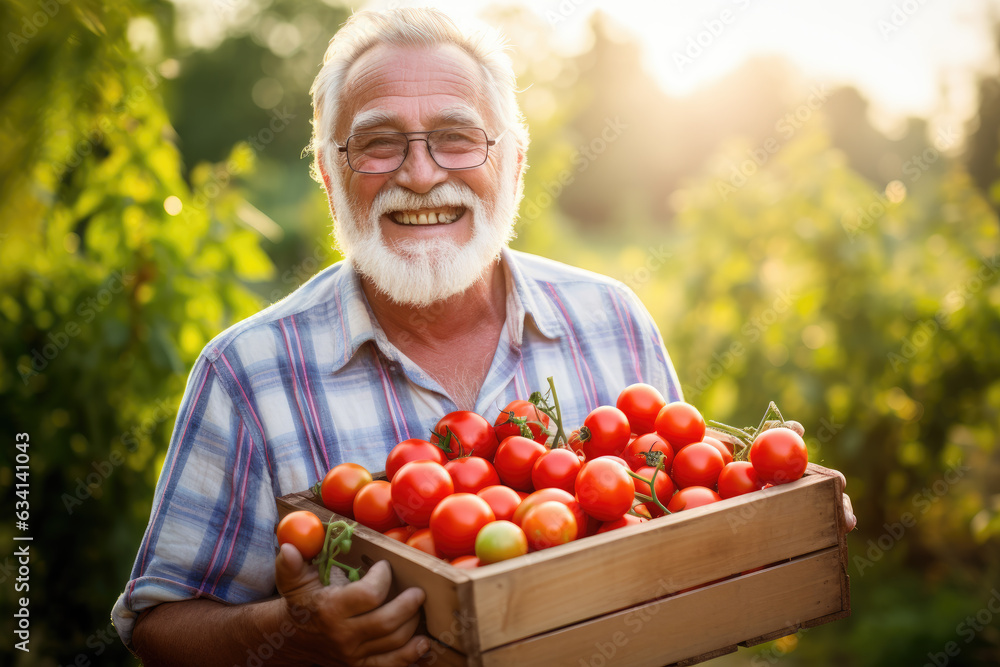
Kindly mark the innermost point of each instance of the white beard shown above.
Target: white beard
(417, 272)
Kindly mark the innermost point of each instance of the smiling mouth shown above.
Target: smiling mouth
(428, 216)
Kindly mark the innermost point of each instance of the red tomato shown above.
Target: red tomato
(340, 486)
(373, 507)
(471, 473)
(503, 500)
(636, 452)
(691, 497)
(422, 539)
(549, 524)
(465, 433)
(536, 421)
(400, 534)
(514, 459)
(604, 489)
(664, 487)
(697, 465)
(779, 456)
(727, 456)
(304, 531)
(556, 468)
(738, 478)
(499, 541)
(605, 432)
(641, 403)
(413, 449)
(538, 497)
(456, 521)
(680, 424)
(417, 488)
(466, 562)
(626, 520)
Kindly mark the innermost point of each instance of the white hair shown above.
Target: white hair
(412, 27)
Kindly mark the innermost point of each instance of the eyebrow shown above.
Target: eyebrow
(457, 116)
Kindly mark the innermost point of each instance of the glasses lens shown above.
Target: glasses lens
(376, 153)
(458, 148)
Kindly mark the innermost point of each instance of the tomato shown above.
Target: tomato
(499, 541)
(536, 421)
(605, 431)
(304, 531)
(466, 562)
(727, 456)
(779, 456)
(417, 488)
(340, 486)
(514, 459)
(641, 403)
(738, 478)
(626, 520)
(604, 489)
(697, 465)
(413, 449)
(503, 500)
(549, 524)
(664, 487)
(635, 453)
(423, 540)
(471, 473)
(400, 534)
(643, 511)
(373, 507)
(680, 424)
(456, 521)
(463, 433)
(538, 497)
(556, 468)
(691, 497)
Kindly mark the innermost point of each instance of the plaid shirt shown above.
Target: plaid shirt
(312, 381)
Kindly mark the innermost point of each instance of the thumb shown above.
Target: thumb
(290, 571)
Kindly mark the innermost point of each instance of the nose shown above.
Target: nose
(419, 172)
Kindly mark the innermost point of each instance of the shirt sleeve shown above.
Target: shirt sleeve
(655, 364)
(211, 527)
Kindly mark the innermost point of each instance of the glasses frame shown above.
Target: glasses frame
(425, 139)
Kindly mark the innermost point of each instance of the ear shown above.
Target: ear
(327, 183)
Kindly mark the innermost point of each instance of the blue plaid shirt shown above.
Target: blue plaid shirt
(312, 381)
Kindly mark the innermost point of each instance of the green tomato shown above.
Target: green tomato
(500, 540)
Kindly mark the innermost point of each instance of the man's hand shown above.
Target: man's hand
(850, 521)
(349, 620)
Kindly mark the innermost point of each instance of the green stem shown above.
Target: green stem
(558, 418)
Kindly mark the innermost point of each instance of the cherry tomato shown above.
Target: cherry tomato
(456, 521)
(680, 424)
(636, 452)
(499, 541)
(549, 524)
(373, 507)
(738, 478)
(626, 520)
(514, 459)
(471, 473)
(413, 449)
(605, 432)
(727, 456)
(556, 468)
(779, 456)
(400, 534)
(304, 531)
(604, 489)
(465, 433)
(691, 497)
(340, 486)
(466, 562)
(539, 497)
(664, 487)
(503, 500)
(641, 403)
(536, 421)
(697, 465)
(423, 540)
(417, 488)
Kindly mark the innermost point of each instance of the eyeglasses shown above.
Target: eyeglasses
(384, 152)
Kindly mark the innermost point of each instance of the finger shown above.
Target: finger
(391, 616)
(360, 597)
(401, 657)
(391, 641)
(850, 520)
(288, 568)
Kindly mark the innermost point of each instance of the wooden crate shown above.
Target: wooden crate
(614, 598)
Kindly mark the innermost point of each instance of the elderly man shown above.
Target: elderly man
(420, 146)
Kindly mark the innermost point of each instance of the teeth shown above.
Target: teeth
(432, 218)
(427, 218)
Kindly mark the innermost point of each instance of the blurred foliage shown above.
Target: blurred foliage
(846, 275)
